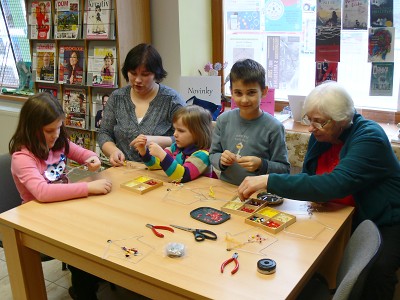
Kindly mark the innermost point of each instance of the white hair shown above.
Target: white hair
(332, 100)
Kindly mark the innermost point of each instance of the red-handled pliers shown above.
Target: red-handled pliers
(159, 234)
(233, 258)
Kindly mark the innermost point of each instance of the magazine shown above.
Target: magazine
(53, 90)
(98, 19)
(75, 106)
(101, 70)
(381, 44)
(99, 101)
(71, 65)
(381, 79)
(81, 137)
(43, 62)
(67, 19)
(40, 20)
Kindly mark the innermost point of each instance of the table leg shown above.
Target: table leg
(24, 267)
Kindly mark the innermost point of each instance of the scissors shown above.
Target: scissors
(155, 227)
(199, 234)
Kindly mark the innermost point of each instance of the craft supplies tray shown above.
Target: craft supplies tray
(141, 184)
(271, 220)
(246, 208)
(209, 215)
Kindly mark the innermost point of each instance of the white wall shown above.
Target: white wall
(181, 32)
(9, 114)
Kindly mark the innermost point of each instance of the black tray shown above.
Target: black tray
(210, 215)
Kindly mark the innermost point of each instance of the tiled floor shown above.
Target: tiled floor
(58, 281)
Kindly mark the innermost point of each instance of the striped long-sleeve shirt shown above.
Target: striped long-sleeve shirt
(181, 165)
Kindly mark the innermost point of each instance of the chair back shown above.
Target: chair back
(360, 253)
(9, 195)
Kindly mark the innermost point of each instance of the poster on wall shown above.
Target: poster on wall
(381, 13)
(355, 14)
(328, 29)
(283, 15)
(381, 79)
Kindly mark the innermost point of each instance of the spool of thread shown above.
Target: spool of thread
(266, 266)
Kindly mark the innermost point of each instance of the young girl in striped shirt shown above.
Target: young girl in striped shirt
(187, 158)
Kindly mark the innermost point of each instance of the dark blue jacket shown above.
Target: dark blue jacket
(368, 170)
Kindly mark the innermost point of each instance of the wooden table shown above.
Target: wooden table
(77, 231)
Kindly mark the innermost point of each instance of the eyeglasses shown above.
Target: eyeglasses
(306, 120)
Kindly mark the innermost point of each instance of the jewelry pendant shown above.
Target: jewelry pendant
(239, 146)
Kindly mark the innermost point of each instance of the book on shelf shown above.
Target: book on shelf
(101, 70)
(53, 90)
(82, 138)
(381, 13)
(99, 100)
(76, 107)
(71, 65)
(39, 20)
(99, 20)
(43, 62)
(67, 23)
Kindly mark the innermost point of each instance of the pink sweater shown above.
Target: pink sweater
(30, 175)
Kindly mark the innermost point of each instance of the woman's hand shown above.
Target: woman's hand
(117, 158)
(227, 158)
(252, 184)
(93, 163)
(157, 151)
(139, 143)
(250, 163)
(101, 186)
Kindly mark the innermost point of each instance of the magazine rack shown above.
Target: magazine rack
(77, 55)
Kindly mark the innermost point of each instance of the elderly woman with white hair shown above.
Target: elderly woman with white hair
(349, 160)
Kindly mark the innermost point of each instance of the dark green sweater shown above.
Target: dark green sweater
(368, 170)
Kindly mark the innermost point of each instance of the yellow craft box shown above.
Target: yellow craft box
(271, 220)
(142, 184)
(245, 209)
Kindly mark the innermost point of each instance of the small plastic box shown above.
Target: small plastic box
(142, 184)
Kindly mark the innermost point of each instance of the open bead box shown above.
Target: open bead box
(271, 220)
(245, 209)
(142, 184)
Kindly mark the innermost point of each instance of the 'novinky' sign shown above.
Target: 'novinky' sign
(203, 87)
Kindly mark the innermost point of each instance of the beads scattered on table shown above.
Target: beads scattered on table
(130, 251)
(246, 209)
(256, 239)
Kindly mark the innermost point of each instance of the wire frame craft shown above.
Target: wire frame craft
(132, 249)
(253, 240)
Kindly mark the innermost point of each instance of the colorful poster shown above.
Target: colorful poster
(355, 14)
(381, 79)
(381, 44)
(324, 71)
(382, 13)
(243, 20)
(283, 15)
(328, 30)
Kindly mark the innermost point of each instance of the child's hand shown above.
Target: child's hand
(157, 151)
(101, 186)
(250, 163)
(227, 158)
(93, 163)
(139, 143)
(117, 158)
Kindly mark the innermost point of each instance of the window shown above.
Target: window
(248, 33)
(14, 45)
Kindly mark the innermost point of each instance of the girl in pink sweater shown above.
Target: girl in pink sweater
(40, 149)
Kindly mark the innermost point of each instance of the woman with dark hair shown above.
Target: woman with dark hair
(144, 106)
(74, 71)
